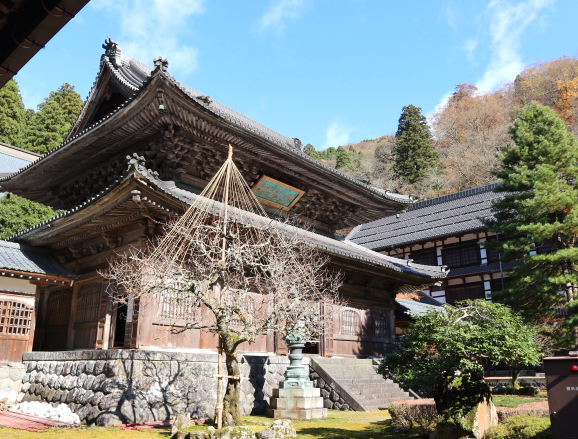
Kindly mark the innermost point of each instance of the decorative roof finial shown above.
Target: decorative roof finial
(161, 64)
(112, 51)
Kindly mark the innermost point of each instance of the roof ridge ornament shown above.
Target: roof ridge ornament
(138, 163)
(113, 51)
(161, 65)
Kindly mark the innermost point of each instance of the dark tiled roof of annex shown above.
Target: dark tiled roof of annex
(425, 220)
(12, 159)
(27, 259)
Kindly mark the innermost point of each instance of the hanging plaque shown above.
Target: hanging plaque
(276, 193)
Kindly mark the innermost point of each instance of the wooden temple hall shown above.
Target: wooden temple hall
(142, 149)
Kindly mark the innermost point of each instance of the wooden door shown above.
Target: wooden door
(16, 322)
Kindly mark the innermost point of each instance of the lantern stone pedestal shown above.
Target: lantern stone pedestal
(296, 398)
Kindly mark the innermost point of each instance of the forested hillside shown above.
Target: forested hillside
(467, 134)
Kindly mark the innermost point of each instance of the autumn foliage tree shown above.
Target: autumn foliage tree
(469, 131)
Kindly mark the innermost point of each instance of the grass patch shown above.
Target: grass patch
(515, 400)
(338, 425)
(87, 433)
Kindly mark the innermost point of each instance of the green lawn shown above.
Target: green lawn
(515, 400)
(351, 425)
(347, 425)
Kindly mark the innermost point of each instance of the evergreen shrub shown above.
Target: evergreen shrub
(521, 427)
(412, 413)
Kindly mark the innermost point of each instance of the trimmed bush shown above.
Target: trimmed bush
(414, 412)
(521, 427)
(534, 409)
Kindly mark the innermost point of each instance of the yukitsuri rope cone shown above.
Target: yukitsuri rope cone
(226, 267)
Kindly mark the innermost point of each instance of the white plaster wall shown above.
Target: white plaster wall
(8, 283)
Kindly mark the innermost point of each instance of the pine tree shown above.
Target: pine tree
(413, 152)
(17, 214)
(343, 159)
(53, 121)
(310, 150)
(12, 114)
(538, 216)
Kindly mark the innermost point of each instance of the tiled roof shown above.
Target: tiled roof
(11, 164)
(329, 245)
(430, 219)
(134, 74)
(12, 158)
(415, 307)
(22, 257)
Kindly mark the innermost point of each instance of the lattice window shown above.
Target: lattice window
(379, 325)
(350, 322)
(58, 308)
(463, 292)
(461, 255)
(247, 307)
(492, 255)
(15, 318)
(88, 305)
(177, 306)
(425, 257)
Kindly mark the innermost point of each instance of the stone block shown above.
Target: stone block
(297, 414)
(293, 393)
(297, 403)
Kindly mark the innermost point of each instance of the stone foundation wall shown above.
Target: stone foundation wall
(107, 387)
(10, 381)
(331, 396)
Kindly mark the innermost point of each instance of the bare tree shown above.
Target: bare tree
(234, 272)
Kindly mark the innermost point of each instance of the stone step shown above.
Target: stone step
(341, 361)
(357, 383)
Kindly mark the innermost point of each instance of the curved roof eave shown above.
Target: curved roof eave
(341, 248)
(221, 111)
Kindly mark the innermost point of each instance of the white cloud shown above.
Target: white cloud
(508, 23)
(280, 12)
(152, 28)
(337, 134)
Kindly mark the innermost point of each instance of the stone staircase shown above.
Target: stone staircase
(352, 383)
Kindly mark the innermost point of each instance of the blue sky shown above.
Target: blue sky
(329, 72)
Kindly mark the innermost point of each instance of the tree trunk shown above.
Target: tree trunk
(232, 399)
(515, 375)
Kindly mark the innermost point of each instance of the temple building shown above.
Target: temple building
(141, 151)
(444, 231)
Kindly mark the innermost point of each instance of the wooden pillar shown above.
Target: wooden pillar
(71, 320)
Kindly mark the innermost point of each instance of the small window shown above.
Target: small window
(350, 322)
(177, 305)
(379, 325)
(425, 257)
(492, 255)
(464, 292)
(461, 255)
(15, 318)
